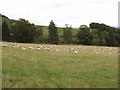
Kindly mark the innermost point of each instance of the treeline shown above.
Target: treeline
(23, 31)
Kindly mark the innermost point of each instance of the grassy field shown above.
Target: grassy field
(60, 30)
(60, 69)
(45, 28)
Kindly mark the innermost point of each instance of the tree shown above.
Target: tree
(53, 34)
(5, 32)
(38, 35)
(106, 34)
(23, 31)
(67, 34)
(99, 37)
(117, 36)
(101, 27)
(111, 41)
(84, 35)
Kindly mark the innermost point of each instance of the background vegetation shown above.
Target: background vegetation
(23, 31)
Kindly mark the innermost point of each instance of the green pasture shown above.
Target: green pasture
(62, 69)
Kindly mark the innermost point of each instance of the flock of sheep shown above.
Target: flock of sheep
(28, 48)
(70, 49)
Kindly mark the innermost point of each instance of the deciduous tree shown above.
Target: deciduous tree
(67, 34)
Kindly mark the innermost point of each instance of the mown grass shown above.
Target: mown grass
(63, 69)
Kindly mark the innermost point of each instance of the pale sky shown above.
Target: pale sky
(72, 12)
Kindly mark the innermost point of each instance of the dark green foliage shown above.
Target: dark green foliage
(67, 35)
(106, 35)
(38, 35)
(23, 31)
(117, 36)
(5, 32)
(101, 27)
(53, 34)
(111, 39)
(84, 35)
(99, 37)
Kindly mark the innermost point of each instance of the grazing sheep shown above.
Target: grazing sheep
(96, 52)
(24, 48)
(38, 49)
(49, 49)
(117, 50)
(4, 45)
(76, 51)
(110, 53)
(45, 48)
(71, 49)
(41, 46)
(31, 48)
(15, 45)
(57, 50)
(83, 48)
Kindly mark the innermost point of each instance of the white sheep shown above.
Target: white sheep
(57, 50)
(38, 48)
(24, 48)
(31, 48)
(76, 51)
(45, 48)
(97, 52)
(71, 49)
(110, 53)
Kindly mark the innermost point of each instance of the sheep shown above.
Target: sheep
(45, 48)
(17, 45)
(76, 51)
(5, 45)
(38, 48)
(24, 48)
(31, 48)
(49, 48)
(41, 46)
(71, 49)
(117, 50)
(96, 52)
(110, 53)
(83, 48)
(57, 50)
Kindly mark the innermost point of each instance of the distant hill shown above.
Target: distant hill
(7, 20)
(60, 30)
(45, 28)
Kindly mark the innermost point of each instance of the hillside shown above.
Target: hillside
(7, 20)
(60, 30)
(45, 28)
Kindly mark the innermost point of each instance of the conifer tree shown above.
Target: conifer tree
(5, 32)
(53, 34)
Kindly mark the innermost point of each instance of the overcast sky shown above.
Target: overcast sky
(73, 12)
